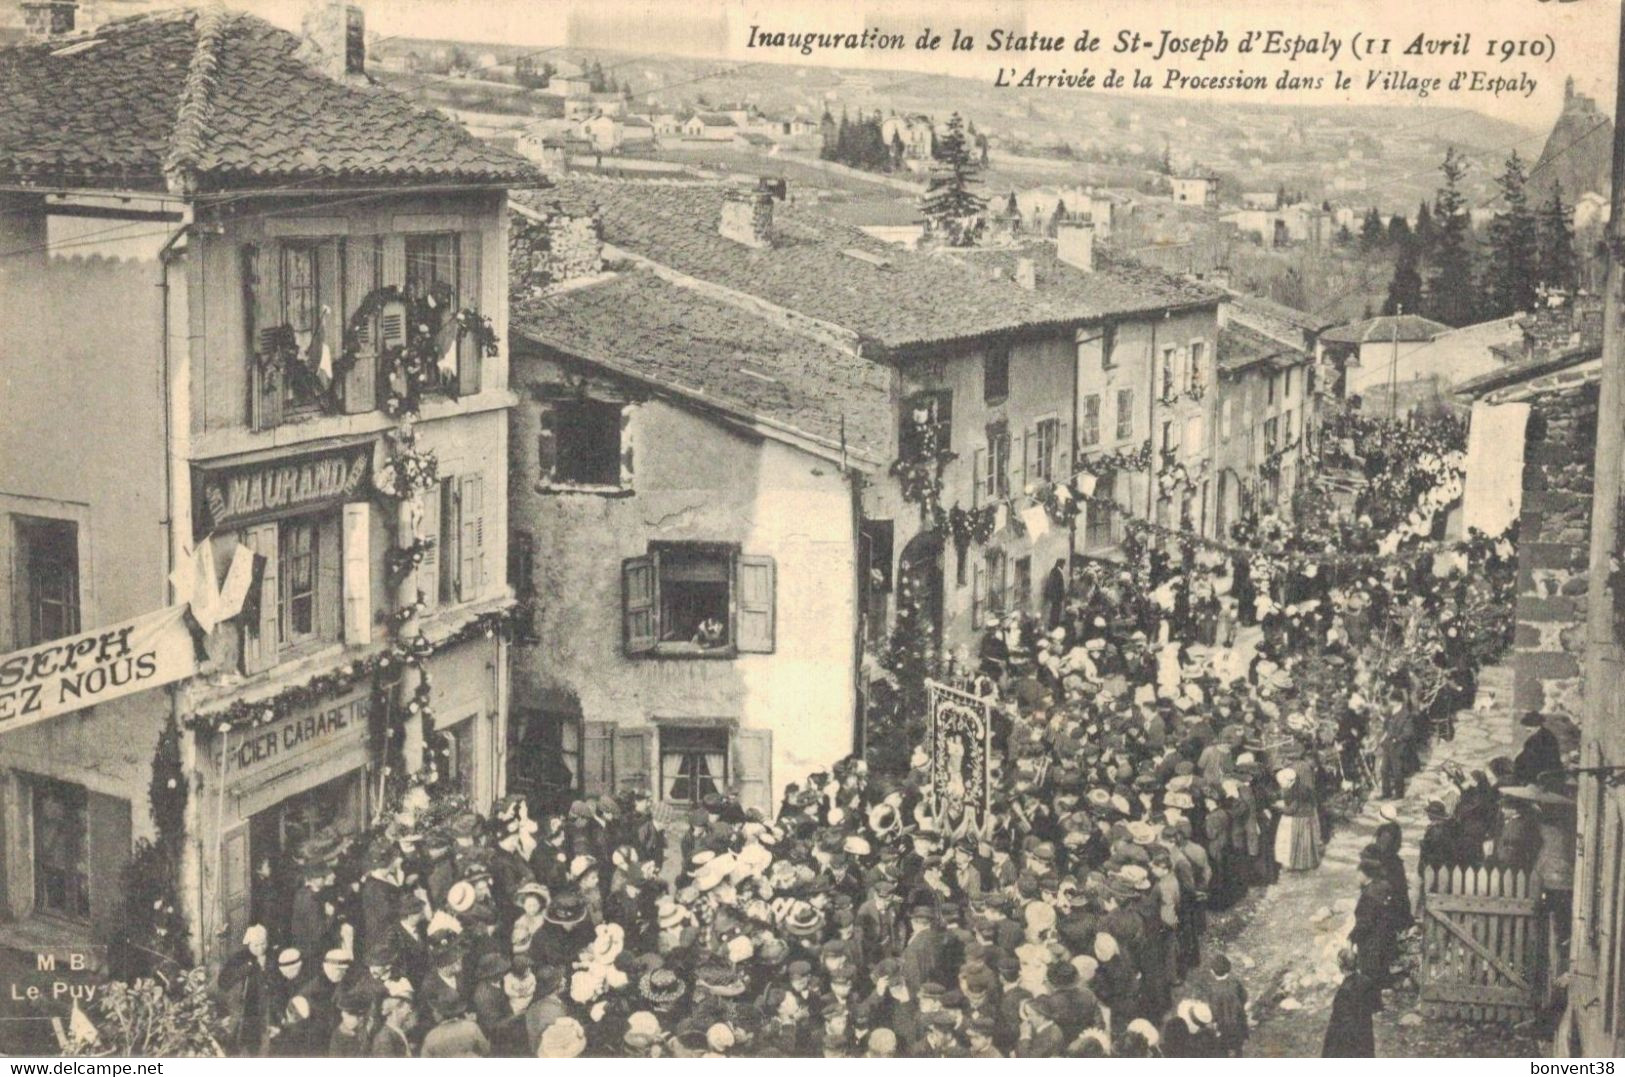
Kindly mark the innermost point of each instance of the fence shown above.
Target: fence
(1483, 944)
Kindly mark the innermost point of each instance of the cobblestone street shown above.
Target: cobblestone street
(1284, 939)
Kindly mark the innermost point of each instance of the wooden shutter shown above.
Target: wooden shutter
(639, 603)
(262, 279)
(1027, 460)
(260, 640)
(234, 883)
(1061, 463)
(108, 822)
(357, 572)
(632, 750)
(329, 579)
(755, 608)
(360, 279)
(470, 359)
(330, 304)
(978, 473)
(547, 444)
(753, 769)
(470, 537)
(428, 573)
(598, 758)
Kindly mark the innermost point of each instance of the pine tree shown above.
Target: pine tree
(1399, 230)
(949, 205)
(843, 140)
(1449, 295)
(1557, 263)
(1423, 230)
(1345, 238)
(1514, 247)
(1405, 288)
(1372, 233)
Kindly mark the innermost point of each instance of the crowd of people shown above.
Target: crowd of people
(1143, 773)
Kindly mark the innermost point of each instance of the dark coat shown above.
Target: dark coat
(1349, 1033)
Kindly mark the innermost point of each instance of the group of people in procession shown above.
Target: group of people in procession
(1144, 773)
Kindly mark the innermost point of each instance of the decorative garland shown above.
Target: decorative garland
(1173, 476)
(409, 470)
(1105, 465)
(919, 474)
(975, 525)
(433, 329)
(1270, 466)
(245, 714)
(1059, 502)
(401, 561)
(153, 936)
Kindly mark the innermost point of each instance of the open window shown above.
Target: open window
(46, 561)
(693, 763)
(697, 600)
(584, 444)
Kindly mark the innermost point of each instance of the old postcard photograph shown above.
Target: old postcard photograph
(779, 529)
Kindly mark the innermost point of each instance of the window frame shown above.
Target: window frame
(40, 788)
(720, 784)
(552, 450)
(996, 484)
(287, 598)
(298, 401)
(28, 542)
(996, 374)
(1125, 396)
(1089, 425)
(1194, 370)
(736, 560)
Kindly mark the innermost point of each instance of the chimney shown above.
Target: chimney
(47, 19)
(747, 216)
(1075, 244)
(1026, 275)
(335, 40)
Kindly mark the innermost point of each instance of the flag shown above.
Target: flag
(239, 578)
(1085, 483)
(206, 588)
(1036, 520)
(251, 598)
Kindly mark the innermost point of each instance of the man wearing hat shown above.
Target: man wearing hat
(322, 990)
(1226, 997)
(931, 954)
(1442, 843)
(245, 983)
(1374, 936)
(393, 1038)
(941, 1040)
(349, 1038)
(490, 1000)
(1540, 752)
(455, 1034)
(1040, 1035)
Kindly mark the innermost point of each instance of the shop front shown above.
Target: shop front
(282, 783)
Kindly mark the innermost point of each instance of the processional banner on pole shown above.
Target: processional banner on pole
(961, 758)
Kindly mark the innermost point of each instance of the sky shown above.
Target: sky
(1582, 34)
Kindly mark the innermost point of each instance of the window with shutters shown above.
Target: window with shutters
(1089, 421)
(46, 560)
(447, 265)
(1021, 585)
(309, 300)
(1168, 383)
(1125, 414)
(580, 444)
(1098, 525)
(300, 601)
(61, 825)
(1194, 374)
(996, 481)
(460, 542)
(698, 600)
(1045, 445)
(693, 763)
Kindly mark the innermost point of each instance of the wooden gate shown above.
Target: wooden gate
(1483, 940)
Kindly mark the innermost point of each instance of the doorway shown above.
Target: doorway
(277, 837)
(919, 573)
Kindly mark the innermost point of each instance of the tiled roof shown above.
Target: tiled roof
(717, 119)
(885, 295)
(1528, 370)
(1403, 328)
(638, 324)
(221, 98)
(1279, 312)
(1241, 347)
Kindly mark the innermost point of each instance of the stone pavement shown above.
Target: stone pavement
(1285, 938)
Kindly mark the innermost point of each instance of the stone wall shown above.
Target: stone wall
(551, 245)
(1553, 549)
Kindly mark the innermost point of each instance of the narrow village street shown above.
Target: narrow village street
(1291, 975)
